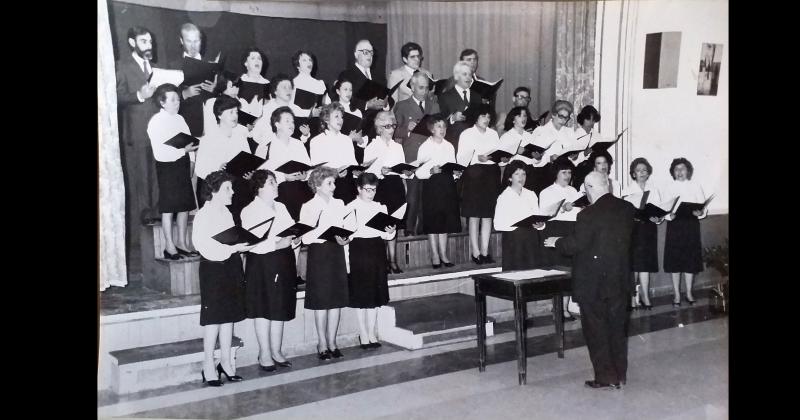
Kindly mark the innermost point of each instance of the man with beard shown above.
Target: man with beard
(193, 96)
(135, 110)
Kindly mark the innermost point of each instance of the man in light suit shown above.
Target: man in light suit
(455, 101)
(135, 110)
(408, 113)
(411, 54)
(601, 278)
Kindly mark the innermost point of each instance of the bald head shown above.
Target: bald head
(596, 185)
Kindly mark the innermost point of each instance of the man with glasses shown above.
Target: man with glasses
(358, 74)
(411, 53)
(522, 97)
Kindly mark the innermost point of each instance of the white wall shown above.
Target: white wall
(665, 123)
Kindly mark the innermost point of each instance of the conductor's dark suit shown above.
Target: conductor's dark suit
(602, 282)
(450, 102)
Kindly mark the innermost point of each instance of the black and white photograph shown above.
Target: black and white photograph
(339, 209)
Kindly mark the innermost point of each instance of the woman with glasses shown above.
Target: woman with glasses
(368, 284)
(391, 190)
(556, 136)
(481, 183)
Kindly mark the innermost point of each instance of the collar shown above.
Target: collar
(197, 57)
(363, 69)
(409, 70)
(138, 60)
(461, 90)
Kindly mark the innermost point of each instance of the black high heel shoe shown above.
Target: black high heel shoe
(336, 353)
(436, 265)
(646, 307)
(676, 304)
(449, 264)
(213, 382)
(187, 253)
(487, 259)
(478, 260)
(265, 368)
(395, 269)
(173, 257)
(363, 346)
(234, 378)
(324, 355)
(283, 364)
(691, 301)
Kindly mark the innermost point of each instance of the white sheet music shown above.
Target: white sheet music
(529, 274)
(162, 76)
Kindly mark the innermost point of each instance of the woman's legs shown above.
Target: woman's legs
(225, 337)
(276, 340)
(166, 227)
(333, 326)
(688, 278)
(434, 249)
(486, 234)
(363, 334)
(210, 334)
(372, 322)
(676, 287)
(474, 244)
(321, 322)
(644, 281)
(262, 336)
(183, 239)
(443, 248)
(390, 246)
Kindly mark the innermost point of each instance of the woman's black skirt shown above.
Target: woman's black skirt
(523, 249)
(222, 291)
(175, 192)
(557, 228)
(481, 188)
(293, 194)
(644, 247)
(326, 278)
(368, 284)
(682, 247)
(391, 193)
(271, 285)
(440, 212)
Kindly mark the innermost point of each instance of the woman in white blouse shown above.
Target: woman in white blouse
(391, 191)
(682, 246)
(586, 120)
(254, 62)
(282, 92)
(326, 279)
(556, 136)
(270, 273)
(344, 93)
(368, 285)
(173, 170)
(336, 151)
(222, 286)
(522, 245)
(440, 212)
(644, 244)
(304, 63)
(225, 87)
(602, 161)
(481, 183)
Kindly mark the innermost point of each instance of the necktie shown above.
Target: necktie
(421, 108)
(466, 100)
(369, 76)
(147, 68)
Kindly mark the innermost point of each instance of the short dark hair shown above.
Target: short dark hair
(636, 162)
(406, 49)
(280, 77)
(521, 89)
(296, 60)
(466, 52)
(224, 103)
(160, 95)
(318, 175)
(678, 161)
(276, 116)
(254, 49)
(517, 110)
(336, 85)
(435, 119)
(259, 179)
(563, 165)
(604, 154)
(366, 178)
(512, 167)
(137, 30)
(588, 112)
(214, 181)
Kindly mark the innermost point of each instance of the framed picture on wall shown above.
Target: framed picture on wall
(708, 75)
(661, 53)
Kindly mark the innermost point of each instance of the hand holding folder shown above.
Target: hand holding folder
(539, 217)
(294, 166)
(485, 89)
(305, 99)
(382, 220)
(239, 235)
(181, 140)
(687, 209)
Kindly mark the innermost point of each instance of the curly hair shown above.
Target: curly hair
(318, 175)
(684, 161)
(224, 103)
(434, 119)
(259, 179)
(246, 55)
(588, 112)
(512, 167)
(327, 110)
(636, 162)
(214, 181)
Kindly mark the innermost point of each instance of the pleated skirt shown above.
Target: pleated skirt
(391, 193)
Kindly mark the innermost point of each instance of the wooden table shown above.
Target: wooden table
(520, 292)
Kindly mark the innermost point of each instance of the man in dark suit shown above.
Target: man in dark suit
(408, 113)
(135, 110)
(601, 278)
(455, 101)
(358, 75)
(193, 96)
(469, 56)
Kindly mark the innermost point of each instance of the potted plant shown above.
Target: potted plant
(718, 258)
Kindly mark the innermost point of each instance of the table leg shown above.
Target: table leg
(480, 310)
(558, 304)
(519, 317)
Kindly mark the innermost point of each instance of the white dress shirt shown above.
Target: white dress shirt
(512, 207)
(162, 127)
(511, 141)
(689, 191)
(335, 149)
(363, 211)
(616, 190)
(281, 152)
(309, 84)
(262, 129)
(387, 155)
(633, 194)
(461, 91)
(258, 211)
(216, 149)
(210, 220)
(364, 71)
(472, 143)
(554, 140)
(328, 214)
(434, 154)
(556, 193)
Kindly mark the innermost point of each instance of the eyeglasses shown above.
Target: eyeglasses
(369, 189)
(563, 117)
(389, 126)
(523, 97)
(366, 52)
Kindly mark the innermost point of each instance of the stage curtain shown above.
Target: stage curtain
(515, 41)
(575, 26)
(111, 194)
